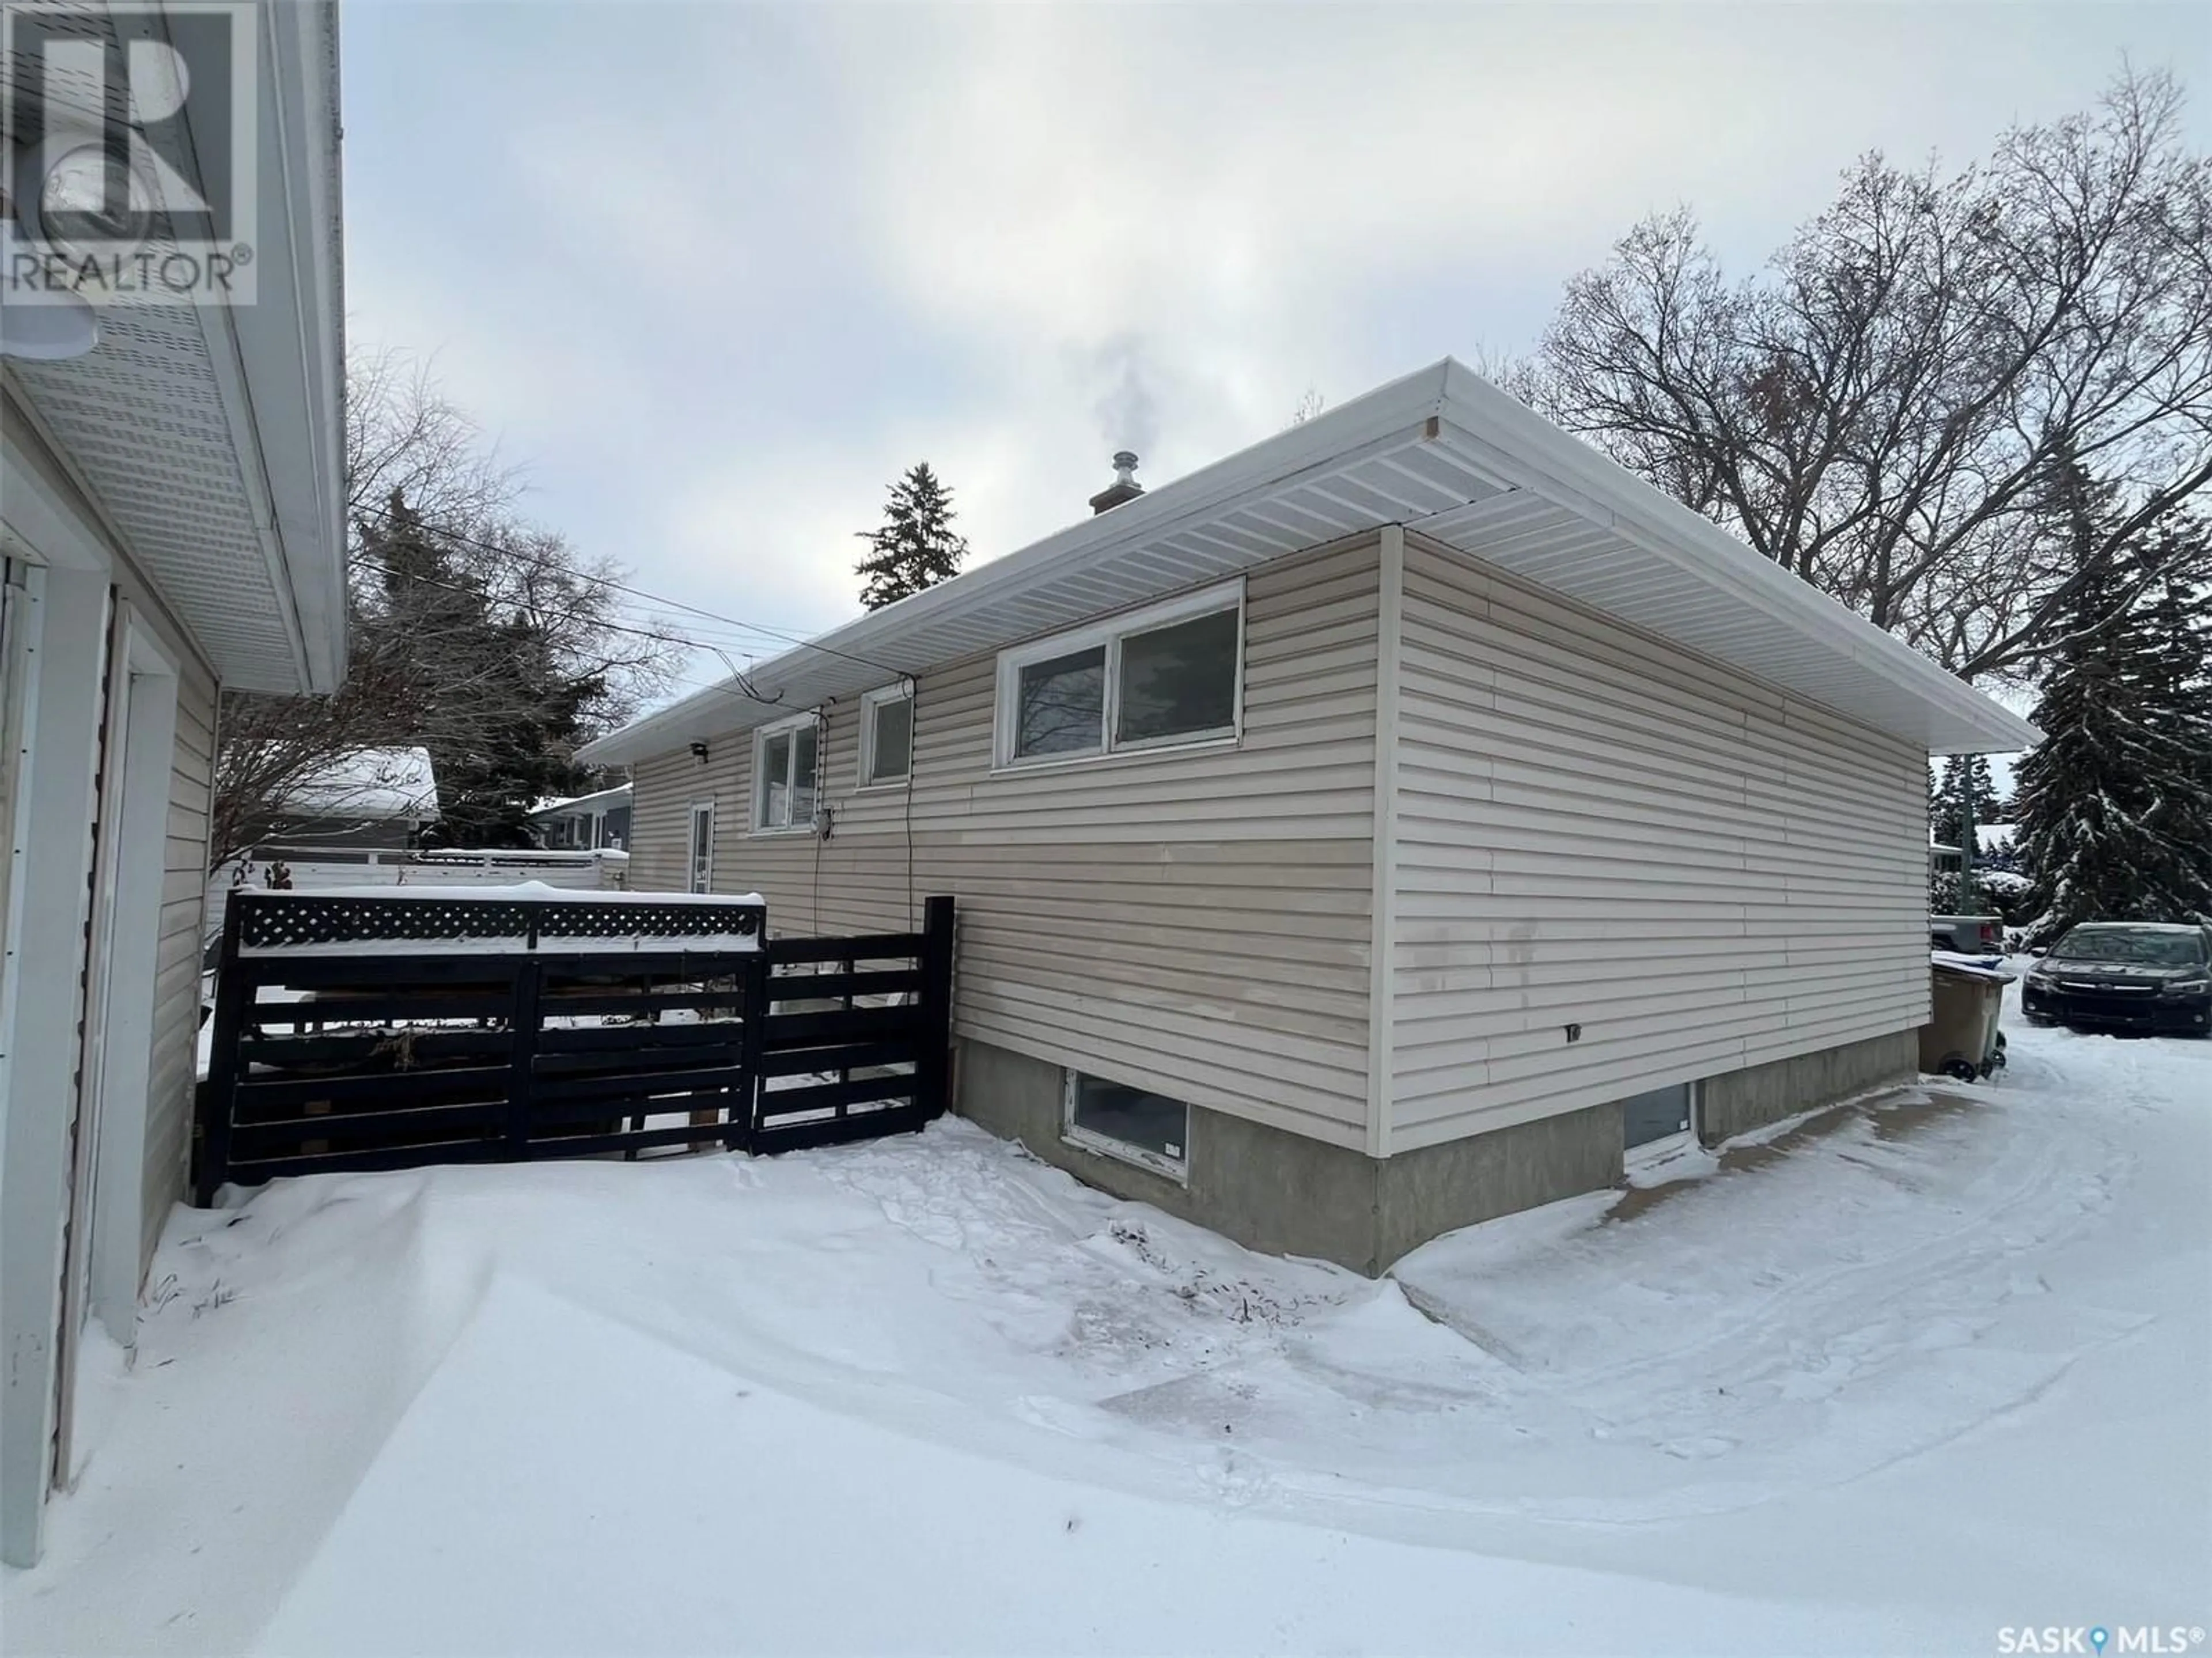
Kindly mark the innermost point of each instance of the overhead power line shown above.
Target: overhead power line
(543, 562)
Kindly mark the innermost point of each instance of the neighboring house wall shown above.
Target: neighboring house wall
(1600, 828)
(1195, 922)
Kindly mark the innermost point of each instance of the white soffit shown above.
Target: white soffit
(143, 420)
(1445, 454)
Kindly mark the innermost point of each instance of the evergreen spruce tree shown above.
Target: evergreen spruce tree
(1947, 811)
(2115, 807)
(916, 547)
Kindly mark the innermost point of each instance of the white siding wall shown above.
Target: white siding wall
(177, 972)
(1594, 828)
(1198, 923)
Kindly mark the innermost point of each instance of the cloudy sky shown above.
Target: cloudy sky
(714, 273)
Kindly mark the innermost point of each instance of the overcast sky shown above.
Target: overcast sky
(715, 273)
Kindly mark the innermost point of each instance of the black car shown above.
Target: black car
(2136, 976)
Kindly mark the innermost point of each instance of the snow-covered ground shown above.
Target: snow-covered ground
(1899, 1378)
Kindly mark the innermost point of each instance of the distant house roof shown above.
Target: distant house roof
(599, 801)
(1444, 453)
(369, 783)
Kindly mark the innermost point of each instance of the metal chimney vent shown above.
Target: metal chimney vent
(1124, 487)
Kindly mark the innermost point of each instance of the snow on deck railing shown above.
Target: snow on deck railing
(527, 917)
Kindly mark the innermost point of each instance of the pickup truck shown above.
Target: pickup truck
(1967, 935)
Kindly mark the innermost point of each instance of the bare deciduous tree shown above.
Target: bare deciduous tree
(497, 648)
(1881, 410)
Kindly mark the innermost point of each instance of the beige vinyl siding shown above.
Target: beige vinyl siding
(1197, 922)
(177, 968)
(1595, 827)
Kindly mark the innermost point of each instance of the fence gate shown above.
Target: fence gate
(412, 1028)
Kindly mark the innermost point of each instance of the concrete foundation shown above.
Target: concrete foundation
(1744, 1100)
(1286, 1194)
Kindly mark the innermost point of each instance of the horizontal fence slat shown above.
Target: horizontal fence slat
(802, 1062)
(337, 1046)
(382, 1008)
(547, 1115)
(604, 1085)
(488, 1080)
(787, 1101)
(840, 1024)
(806, 987)
(606, 1005)
(364, 968)
(707, 1033)
(413, 1126)
(772, 1138)
(643, 1061)
(867, 947)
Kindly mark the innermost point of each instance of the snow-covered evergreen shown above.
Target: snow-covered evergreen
(916, 546)
(1946, 804)
(2115, 807)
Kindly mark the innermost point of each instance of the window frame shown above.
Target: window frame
(1109, 634)
(762, 735)
(863, 778)
(1105, 1146)
(692, 847)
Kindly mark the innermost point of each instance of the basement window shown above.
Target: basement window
(1167, 676)
(1130, 1123)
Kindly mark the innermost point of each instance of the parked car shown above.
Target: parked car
(1967, 935)
(2136, 975)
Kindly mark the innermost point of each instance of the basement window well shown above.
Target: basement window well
(1130, 1123)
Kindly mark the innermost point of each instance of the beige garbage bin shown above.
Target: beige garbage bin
(1960, 1038)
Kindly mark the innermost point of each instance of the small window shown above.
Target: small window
(886, 737)
(1179, 681)
(701, 876)
(1061, 705)
(1167, 675)
(784, 762)
(1127, 1122)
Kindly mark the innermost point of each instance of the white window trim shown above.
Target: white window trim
(1105, 1146)
(862, 778)
(691, 844)
(1108, 633)
(758, 806)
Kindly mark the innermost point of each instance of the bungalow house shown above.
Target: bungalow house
(1393, 825)
(371, 799)
(171, 526)
(586, 823)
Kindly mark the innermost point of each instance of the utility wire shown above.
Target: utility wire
(544, 563)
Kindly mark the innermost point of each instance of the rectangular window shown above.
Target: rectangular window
(701, 874)
(886, 737)
(1179, 681)
(1128, 1122)
(1061, 705)
(784, 763)
(1169, 674)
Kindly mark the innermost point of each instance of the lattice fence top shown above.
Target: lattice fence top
(401, 922)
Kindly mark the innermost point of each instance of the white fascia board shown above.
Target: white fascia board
(1564, 467)
(279, 362)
